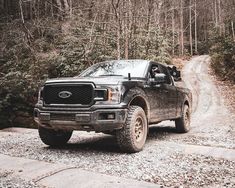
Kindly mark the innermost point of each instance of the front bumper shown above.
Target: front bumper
(97, 120)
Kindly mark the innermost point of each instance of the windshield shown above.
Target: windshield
(117, 68)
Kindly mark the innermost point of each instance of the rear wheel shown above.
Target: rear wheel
(183, 123)
(132, 137)
(54, 138)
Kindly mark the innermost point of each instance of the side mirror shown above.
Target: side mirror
(176, 74)
(159, 78)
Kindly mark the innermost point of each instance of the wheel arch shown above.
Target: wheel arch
(186, 102)
(140, 101)
(137, 97)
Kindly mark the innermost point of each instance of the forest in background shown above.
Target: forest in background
(42, 39)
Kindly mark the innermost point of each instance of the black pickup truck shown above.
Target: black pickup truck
(120, 97)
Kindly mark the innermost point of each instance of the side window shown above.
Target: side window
(165, 71)
(154, 70)
(158, 68)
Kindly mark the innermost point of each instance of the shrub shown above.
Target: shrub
(222, 51)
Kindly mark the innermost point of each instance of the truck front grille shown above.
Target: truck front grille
(62, 117)
(71, 94)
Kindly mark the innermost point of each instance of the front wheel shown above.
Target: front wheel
(54, 138)
(182, 124)
(131, 138)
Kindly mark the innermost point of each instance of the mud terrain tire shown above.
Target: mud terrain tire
(182, 124)
(131, 138)
(54, 138)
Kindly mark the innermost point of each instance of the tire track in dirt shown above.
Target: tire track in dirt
(210, 117)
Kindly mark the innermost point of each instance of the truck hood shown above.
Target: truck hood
(96, 80)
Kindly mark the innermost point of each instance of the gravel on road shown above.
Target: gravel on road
(163, 160)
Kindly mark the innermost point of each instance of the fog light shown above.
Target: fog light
(83, 117)
(106, 116)
(111, 116)
(44, 116)
(86, 127)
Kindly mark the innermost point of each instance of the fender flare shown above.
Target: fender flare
(136, 96)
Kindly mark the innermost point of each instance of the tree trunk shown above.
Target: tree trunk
(173, 28)
(71, 8)
(190, 27)
(126, 23)
(118, 21)
(195, 25)
(59, 5)
(26, 30)
(216, 14)
(21, 12)
(2, 4)
(181, 28)
(232, 27)
(220, 20)
(118, 44)
(149, 14)
(66, 5)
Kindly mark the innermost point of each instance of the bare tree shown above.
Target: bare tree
(195, 25)
(232, 28)
(115, 6)
(190, 27)
(181, 28)
(173, 28)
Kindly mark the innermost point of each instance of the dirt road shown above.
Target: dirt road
(203, 157)
(212, 123)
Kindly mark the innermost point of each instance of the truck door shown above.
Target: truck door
(169, 94)
(157, 101)
(155, 96)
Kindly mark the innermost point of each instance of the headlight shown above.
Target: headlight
(114, 94)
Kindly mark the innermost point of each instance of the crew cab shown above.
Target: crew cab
(120, 97)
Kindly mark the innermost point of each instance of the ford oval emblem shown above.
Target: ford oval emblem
(64, 94)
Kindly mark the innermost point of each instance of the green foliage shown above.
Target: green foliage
(152, 45)
(222, 51)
